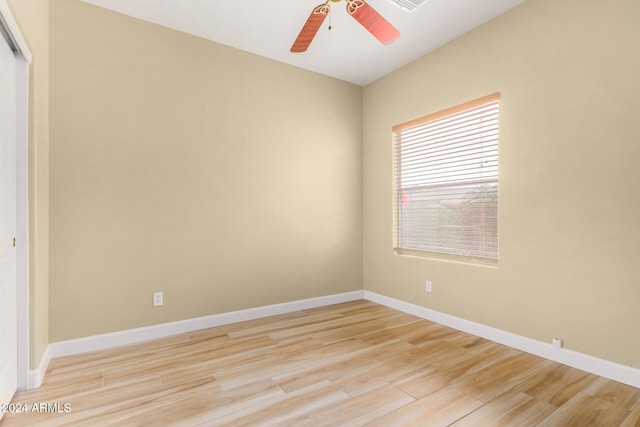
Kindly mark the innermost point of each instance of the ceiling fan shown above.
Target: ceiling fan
(362, 12)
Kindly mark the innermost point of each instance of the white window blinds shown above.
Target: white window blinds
(446, 173)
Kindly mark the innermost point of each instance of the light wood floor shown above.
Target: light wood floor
(349, 364)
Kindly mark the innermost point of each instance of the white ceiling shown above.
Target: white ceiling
(347, 51)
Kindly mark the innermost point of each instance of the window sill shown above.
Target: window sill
(439, 256)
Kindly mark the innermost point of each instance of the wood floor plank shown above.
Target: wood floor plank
(355, 411)
(433, 332)
(467, 341)
(284, 324)
(405, 332)
(369, 326)
(614, 392)
(291, 359)
(510, 409)
(439, 409)
(347, 364)
(633, 419)
(557, 384)
(501, 376)
(351, 364)
(319, 327)
(384, 371)
(450, 368)
(285, 408)
(56, 391)
(585, 410)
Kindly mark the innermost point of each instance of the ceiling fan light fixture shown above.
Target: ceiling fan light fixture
(408, 5)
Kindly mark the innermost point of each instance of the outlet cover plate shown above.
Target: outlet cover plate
(158, 299)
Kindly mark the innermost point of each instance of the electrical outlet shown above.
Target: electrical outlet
(428, 286)
(158, 299)
(556, 342)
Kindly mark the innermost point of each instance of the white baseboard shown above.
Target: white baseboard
(604, 368)
(133, 336)
(35, 376)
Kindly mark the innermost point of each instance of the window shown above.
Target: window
(446, 181)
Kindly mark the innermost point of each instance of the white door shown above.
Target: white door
(8, 268)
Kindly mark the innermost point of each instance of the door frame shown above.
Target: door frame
(11, 33)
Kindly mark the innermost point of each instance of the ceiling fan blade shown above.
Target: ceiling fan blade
(310, 28)
(370, 19)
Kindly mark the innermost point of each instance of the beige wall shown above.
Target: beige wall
(224, 179)
(569, 177)
(33, 18)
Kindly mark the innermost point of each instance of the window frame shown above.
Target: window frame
(399, 191)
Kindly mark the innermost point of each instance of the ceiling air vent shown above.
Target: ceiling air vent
(408, 5)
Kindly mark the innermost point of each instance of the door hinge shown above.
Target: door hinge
(14, 242)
